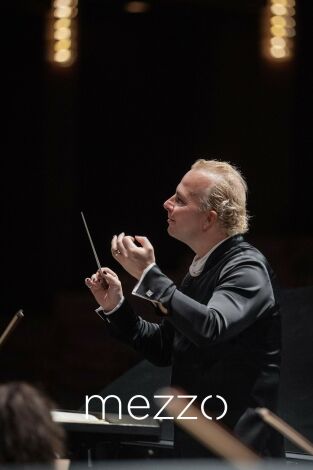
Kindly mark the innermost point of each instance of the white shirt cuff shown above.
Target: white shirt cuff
(101, 309)
(134, 291)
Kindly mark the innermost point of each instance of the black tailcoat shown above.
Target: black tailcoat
(221, 336)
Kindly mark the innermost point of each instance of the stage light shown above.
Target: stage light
(290, 22)
(280, 2)
(62, 37)
(279, 42)
(62, 56)
(65, 3)
(278, 52)
(290, 33)
(278, 31)
(278, 9)
(62, 3)
(74, 12)
(63, 44)
(278, 21)
(279, 34)
(62, 33)
(136, 7)
(63, 23)
(63, 12)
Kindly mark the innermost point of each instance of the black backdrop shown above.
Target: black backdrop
(113, 135)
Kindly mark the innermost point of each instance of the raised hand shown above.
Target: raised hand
(134, 259)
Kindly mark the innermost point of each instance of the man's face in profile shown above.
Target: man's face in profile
(185, 219)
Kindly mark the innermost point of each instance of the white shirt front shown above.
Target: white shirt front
(197, 265)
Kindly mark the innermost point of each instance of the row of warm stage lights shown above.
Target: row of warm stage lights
(282, 28)
(64, 12)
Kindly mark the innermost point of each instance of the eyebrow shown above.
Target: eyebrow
(180, 195)
(191, 195)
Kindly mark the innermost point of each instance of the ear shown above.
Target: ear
(210, 220)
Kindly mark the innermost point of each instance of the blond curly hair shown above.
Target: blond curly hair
(227, 196)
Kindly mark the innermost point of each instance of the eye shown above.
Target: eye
(178, 200)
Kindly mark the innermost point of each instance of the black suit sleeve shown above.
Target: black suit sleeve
(242, 293)
(152, 340)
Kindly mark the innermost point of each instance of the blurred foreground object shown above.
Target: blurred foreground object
(11, 326)
(286, 430)
(208, 433)
(28, 433)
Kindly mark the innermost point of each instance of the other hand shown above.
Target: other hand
(134, 259)
(108, 294)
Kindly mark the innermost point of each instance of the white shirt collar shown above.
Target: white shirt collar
(197, 264)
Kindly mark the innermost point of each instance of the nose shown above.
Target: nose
(168, 204)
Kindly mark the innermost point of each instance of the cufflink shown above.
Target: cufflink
(149, 293)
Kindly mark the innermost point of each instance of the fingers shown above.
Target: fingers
(121, 244)
(128, 243)
(105, 271)
(114, 244)
(125, 250)
(88, 282)
(144, 242)
(117, 247)
(92, 283)
(95, 281)
(112, 280)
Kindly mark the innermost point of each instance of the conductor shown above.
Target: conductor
(221, 327)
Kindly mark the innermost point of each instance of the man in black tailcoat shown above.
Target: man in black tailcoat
(221, 326)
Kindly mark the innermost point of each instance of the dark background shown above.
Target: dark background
(113, 135)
